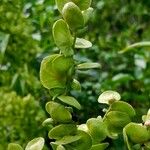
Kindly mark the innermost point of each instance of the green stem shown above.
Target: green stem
(136, 45)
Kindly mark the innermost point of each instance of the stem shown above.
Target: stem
(136, 45)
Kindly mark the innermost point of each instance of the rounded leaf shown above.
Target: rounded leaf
(87, 14)
(116, 120)
(137, 133)
(70, 101)
(62, 65)
(35, 144)
(60, 4)
(58, 112)
(82, 43)
(62, 130)
(83, 4)
(123, 107)
(13, 146)
(63, 37)
(48, 123)
(73, 16)
(108, 97)
(84, 143)
(101, 146)
(48, 76)
(60, 147)
(97, 129)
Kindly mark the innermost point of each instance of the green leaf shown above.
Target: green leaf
(55, 109)
(63, 66)
(63, 37)
(88, 66)
(73, 16)
(136, 45)
(48, 122)
(87, 14)
(68, 139)
(47, 75)
(60, 147)
(101, 146)
(97, 129)
(70, 101)
(122, 78)
(62, 130)
(82, 43)
(137, 133)
(13, 146)
(76, 85)
(123, 107)
(109, 97)
(116, 121)
(129, 145)
(35, 144)
(60, 4)
(83, 4)
(56, 71)
(84, 143)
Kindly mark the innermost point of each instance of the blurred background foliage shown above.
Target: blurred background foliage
(25, 38)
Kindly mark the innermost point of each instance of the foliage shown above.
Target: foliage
(20, 118)
(57, 74)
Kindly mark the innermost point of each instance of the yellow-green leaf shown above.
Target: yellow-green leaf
(70, 101)
(63, 37)
(73, 16)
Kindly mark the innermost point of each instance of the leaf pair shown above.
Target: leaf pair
(64, 40)
(56, 72)
(118, 116)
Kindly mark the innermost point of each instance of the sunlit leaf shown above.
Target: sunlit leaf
(60, 147)
(87, 14)
(63, 37)
(13, 146)
(137, 133)
(88, 66)
(73, 16)
(109, 97)
(83, 4)
(82, 43)
(70, 101)
(35, 144)
(62, 130)
(123, 107)
(97, 129)
(116, 121)
(55, 109)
